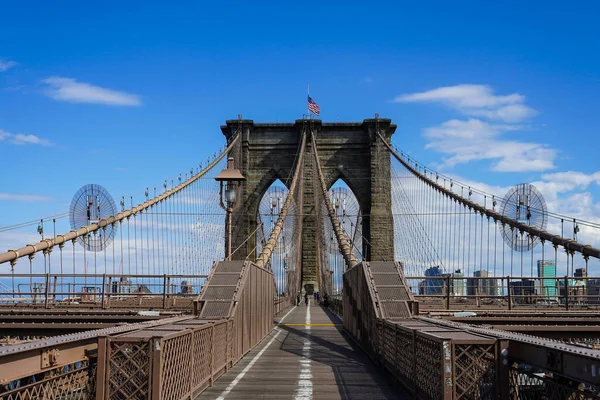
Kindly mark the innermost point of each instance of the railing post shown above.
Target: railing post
(109, 291)
(54, 292)
(103, 346)
(567, 292)
(503, 369)
(448, 293)
(212, 353)
(164, 291)
(508, 289)
(103, 290)
(47, 294)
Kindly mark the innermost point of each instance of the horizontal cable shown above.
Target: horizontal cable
(33, 222)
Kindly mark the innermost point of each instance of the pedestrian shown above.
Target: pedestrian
(306, 299)
(326, 300)
(298, 299)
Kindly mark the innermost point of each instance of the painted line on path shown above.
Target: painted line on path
(307, 324)
(305, 384)
(238, 378)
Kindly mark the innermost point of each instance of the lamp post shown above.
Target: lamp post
(228, 198)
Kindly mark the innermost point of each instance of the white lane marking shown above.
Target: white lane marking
(238, 378)
(288, 313)
(305, 386)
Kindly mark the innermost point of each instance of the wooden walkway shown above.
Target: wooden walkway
(307, 356)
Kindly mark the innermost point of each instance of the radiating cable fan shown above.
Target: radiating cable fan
(91, 204)
(525, 204)
(269, 208)
(348, 210)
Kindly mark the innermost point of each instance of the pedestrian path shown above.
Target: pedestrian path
(307, 356)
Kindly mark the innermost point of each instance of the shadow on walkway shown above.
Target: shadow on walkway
(355, 374)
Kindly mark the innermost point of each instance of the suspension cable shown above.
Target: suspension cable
(267, 250)
(12, 255)
(568, 244)
(343, 240)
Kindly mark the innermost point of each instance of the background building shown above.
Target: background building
(593, 293)
(479, 286)
(457, 286)
(546, 287)
(523, 291)
(580, 273)
(435, 282)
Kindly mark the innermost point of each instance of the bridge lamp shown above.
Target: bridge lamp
(230, 178)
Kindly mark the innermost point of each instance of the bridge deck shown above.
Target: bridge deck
(307, 356)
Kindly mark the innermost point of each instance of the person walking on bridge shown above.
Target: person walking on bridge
(298, 299)
(306, 299)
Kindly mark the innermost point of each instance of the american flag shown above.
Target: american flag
(314, 107)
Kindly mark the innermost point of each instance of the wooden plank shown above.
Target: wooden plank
(336, 368)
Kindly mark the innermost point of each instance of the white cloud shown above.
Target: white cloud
(30, 198)
(68, 89)
(21, 138)
(481, 138)
(473, 140)
(5, 65)
(570, 180)
(475, 100)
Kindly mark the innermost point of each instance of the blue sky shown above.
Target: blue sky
(127, 95)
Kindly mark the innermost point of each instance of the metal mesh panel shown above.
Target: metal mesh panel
(388, 344)
(392, 293)
(202, 357)
(405, 357)
(229, 266)
(387, 280)
(128, 370)
(428, 373)
(220, 346)
(215, 309)
(475, 372)
(382, 267)
(175, 381)
(528, 385)
(225, 279)
(397, 309)
(73, 382)
(219, 292)
(230, 340)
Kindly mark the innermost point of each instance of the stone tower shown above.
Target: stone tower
(351, 151)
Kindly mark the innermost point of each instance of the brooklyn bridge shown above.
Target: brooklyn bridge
(304, 260)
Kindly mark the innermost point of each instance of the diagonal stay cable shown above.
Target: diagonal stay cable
(267, 250)
(557, 240)
(342, 239)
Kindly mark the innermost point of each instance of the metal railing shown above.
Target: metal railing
(72, 381)
(173, 362)
(336, 304)
(282, 303)
(527, 382)
(451, 292)
(101, 291)
(180, 360)
(434, 362)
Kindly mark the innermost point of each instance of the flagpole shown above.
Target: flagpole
(308, 92)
